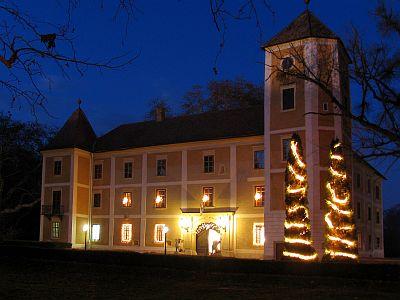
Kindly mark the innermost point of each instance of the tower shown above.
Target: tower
(294, 105)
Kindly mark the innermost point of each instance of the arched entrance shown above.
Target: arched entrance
(208, 239)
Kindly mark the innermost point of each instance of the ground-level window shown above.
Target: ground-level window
(127, 199)
(259, 196)
(55, 230)
(161, 198)
(95, 232)
(208, 196)
(57, 167)
(258, 234)
(161, 167)
(159, 233)
(126, 233)
(208, 163)
(285, 149)
(98, 171)
(128, 169)
(96, 199)
(259, 159)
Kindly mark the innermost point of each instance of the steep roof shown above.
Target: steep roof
(304, 26)
(76, 133)
(201, 127)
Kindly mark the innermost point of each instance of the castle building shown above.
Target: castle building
(211, 183)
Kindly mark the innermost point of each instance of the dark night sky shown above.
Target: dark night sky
(177, 42)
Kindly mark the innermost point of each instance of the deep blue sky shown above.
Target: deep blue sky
(177, 42)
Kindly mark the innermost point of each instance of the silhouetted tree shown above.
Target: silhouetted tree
(391, 227)
(156, 104)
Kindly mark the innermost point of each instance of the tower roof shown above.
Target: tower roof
(76, 133)
(304, 26)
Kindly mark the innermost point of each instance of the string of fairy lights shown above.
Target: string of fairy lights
(340, 229)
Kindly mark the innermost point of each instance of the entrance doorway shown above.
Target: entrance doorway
(208, 239)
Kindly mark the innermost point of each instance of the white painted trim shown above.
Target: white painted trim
(233, 176)
(161, 183)
(253, 179)
(82, 185)
(100, 216)
(209, 181)
(81, 215)
(125, 185)
(275, 171)
(127, 216)
(249, 216)
(56, 184)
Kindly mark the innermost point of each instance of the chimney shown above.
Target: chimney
(160, 114)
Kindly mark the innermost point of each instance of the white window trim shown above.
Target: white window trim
(122, 197)
(123, 168)
(257, 149)
(323, 106)
(155, 234)
(284, 137)
(209, 154)
(254, 234)
(163, 157)
(54, 161)
(155, 196)
(202, 194)
(102, 169)
(59, 230)
(289, 86)
(101, 198)
(129, 225)
(57, 189)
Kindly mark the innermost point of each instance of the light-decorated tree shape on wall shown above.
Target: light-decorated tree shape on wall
(298, 243)
(340, 239)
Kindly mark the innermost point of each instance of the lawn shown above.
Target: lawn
(27, 277)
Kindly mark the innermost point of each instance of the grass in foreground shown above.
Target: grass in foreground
(33, 278)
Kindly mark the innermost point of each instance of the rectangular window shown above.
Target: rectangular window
(259, 159)
(95, 232)
(128, 170)
(259, 196)
(378, 243)
(288, 98)
(325, 106)
(55, 230)
(208, 163)
(161, 167)
(258, 234)
(127, 199)
(161, 198)
(208, 196)
(98, 171)
(159, 233)
(126, 233)
(285, 149)
(96, 199)
(369, 186)
(57, 167)
(377, 193)
(56, 208)
(378, 219)
(358, 180)
(369, 213)
(358, 210)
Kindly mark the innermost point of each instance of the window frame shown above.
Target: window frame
(157, 167)
(128, 162)
(101, 173)
(283, 138)
(127, 194)
(164, 201)
(101, 196)
(57, 160)
(55, 229)
(205, 170)
(286, 87)
(98, 233)
(255, 151)
(325, 106)
(211, 199)
(261, 241)
(262, 188)
(125, 226)
(156, 240)
(53, 190)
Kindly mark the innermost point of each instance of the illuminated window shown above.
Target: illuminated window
(128, 170)
(288, 98)
(285, 149)
(126, 233)
(208, 196)
(208, 163)
(258, 234)
(259, 196)
(259, 159)
(161, 198)
(98, 171)
(57, 167)
(161, 167)
(127, 199)
(96, 199)
(55, 230)
(95, 232)
(159, 233)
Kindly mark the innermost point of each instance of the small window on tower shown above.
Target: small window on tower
(161, 167)
(98, 171)
(288, 98)
(325, 106)
(208, 163)
(96, 200)
(285, 149)
(57, 167)
(259, 159)
(128, 170)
